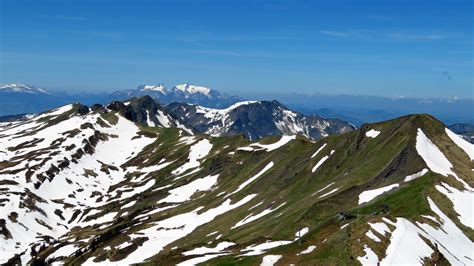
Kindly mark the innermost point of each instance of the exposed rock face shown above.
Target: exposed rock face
(256, 120)
(144, 111)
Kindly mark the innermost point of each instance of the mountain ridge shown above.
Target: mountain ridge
(188, 93)
(255, 119)
(168, 197)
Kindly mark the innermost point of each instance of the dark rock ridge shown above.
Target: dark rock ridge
(144, 111)
(255, 120)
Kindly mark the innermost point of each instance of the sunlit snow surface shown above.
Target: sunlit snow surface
(372, 133)
(184, 193)
(432, 156)
(462, 143)
(369, 195)
(258, 249)
(268, 147)
(308, 250)
(252, 217)
(407, 246)
(370, 258)
(320, 148)
(114, 151)
(253, 178)
(321, 161)
(416, 175)
(270, 260)
(171, 229)
(205, 253)
(196, 153)
(463, 203)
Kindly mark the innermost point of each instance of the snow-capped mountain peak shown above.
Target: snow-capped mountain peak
(22, 88)
(193, 89)
(187, 93)
(160, 88)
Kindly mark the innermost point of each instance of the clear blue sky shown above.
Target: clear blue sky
(389, 48)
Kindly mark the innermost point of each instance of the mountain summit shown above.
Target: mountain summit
(186, 93)
(90, 185)
(22, 88)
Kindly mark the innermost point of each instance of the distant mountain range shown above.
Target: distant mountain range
(19, 98)
(184, 93)
(357, 110)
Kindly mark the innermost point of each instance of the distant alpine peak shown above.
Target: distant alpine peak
(183, 93)
(160, 87)
(193, 89)
(22, 88)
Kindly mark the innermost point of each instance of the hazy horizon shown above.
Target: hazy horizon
(246, 94)
(372, 48)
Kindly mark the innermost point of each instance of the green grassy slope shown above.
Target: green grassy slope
(358, 164)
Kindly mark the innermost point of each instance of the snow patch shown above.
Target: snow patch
(268, 147)
(161, 88)
(372, 133)
(185, 192)
(467, 147)
(416, 175)
(321, 162)
(252, 217)
(205, 250)
(270, 260)
(370, 258)
(372, 236)
(258, 249)
(328, 193)
(300, 233)
(316, 153)
(432, 156)
(307, 250)
(369, 195)
(253, 178)
(462, 203)
(196, 152)
(171, 229)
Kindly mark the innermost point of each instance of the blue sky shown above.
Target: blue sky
(388, 48)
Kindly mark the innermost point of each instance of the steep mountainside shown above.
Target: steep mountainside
(87, 185)
(255, 120)
(180, 93)
(144, 111)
